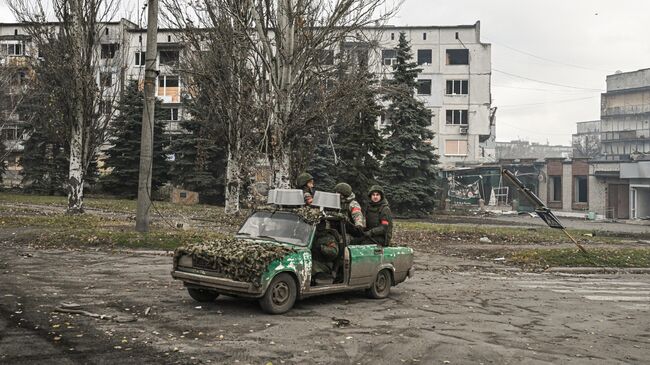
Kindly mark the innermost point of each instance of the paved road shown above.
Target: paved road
(454, 310)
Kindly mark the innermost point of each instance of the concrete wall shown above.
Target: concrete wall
(628, 80)
(567, 186)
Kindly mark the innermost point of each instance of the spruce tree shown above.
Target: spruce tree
(409, 166)
(354, 137)
(358, 139)
(200, 156)
(123, 157)
(44, 162)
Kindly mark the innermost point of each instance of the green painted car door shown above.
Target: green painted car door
(364, 262)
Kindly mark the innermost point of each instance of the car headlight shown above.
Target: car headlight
(185, 260)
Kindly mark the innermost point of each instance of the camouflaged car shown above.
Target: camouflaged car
(271, 257)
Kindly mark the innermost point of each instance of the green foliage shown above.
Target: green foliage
(44, 161)
(571, 257)
(123, 157)
(409, 166)
(200, 153)
(353, 137)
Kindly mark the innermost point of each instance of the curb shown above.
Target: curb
(598, 270)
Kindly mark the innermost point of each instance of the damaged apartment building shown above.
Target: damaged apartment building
(454, 83)
(610, 175)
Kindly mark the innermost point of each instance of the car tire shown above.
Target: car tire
(280, 295)
(381, 286)
(202, 295)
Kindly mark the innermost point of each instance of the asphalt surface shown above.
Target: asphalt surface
(454, 311)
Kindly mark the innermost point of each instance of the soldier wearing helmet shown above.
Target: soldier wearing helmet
(306, 182)
(350, 205)
(378, 218)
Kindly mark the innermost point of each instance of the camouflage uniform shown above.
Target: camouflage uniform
(350, 205)
(307, 192)
(379, 220)
(324, 252)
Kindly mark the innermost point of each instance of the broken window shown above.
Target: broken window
(457, 57)
(140, 58)
(105, 79)
(555, 188)
(424, 87)
(424, 56)
(424, 36)
(457, 116)
(169, 57)
(457, 87)
(388, 56)
(456, 147)
(109, 50)
(580, 192)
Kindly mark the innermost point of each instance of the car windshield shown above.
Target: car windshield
(277, 226)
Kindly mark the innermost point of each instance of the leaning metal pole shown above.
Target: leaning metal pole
(146, 140)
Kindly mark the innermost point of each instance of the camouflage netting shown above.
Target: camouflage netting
(236, 259)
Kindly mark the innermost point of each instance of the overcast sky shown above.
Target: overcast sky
(574, 43)
(569, 42)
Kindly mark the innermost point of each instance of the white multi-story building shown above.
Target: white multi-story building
(454, 83)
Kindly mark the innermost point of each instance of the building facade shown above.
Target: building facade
(455, 84)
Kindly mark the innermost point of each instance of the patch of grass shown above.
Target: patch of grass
(158, 240)
(497, 234)
(596, 257)
(61, 221)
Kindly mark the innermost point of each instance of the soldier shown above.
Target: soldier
(306, 182)
(378, 218)
(350, 205)
(324, 253)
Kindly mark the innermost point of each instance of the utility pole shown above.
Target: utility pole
(146, 140)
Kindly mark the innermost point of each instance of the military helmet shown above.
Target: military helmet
(303, 179)
(344, 189)
(376, 189)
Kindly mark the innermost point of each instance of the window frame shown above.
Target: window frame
(140, 58)
(458, 149)
(461, 85)
(384, 58)
(109, 50)
(455, 114)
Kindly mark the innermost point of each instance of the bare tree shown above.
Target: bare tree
(82, 94)
(587, 145)
(218, 63)
(290, 37)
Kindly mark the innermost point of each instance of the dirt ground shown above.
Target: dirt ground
(455, 311)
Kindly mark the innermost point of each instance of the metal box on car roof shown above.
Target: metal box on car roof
(327, 200)
(286, 197)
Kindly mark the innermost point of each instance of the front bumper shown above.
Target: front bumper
(221, 285)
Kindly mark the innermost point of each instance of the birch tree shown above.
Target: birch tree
(78, 95)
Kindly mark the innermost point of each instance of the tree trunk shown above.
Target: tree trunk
(75, 176)
(233, 182)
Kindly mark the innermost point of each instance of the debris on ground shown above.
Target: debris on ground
(485, 240)
(340, 322)
(73, 308)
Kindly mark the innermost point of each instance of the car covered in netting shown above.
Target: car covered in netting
(276, 256)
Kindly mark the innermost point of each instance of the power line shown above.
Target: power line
(548, 59)
(570, 92)
(546, 82)
(547, 102)
(537, 132)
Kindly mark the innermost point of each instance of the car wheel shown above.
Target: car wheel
(381, 287)
(202, 295)
(280, 295)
